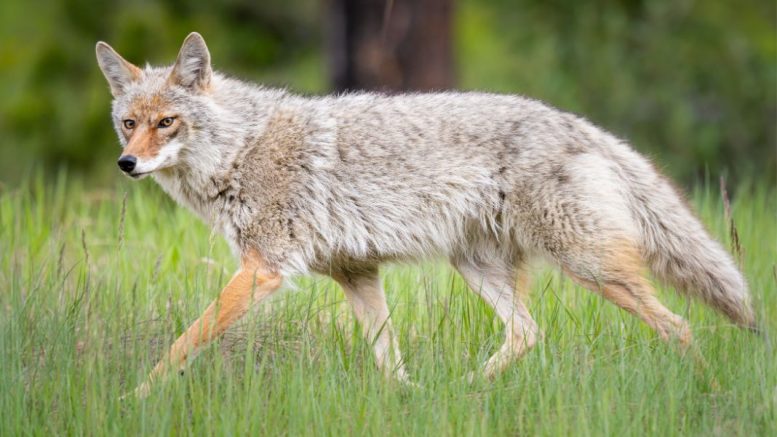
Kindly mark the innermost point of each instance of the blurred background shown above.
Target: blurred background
(691, 83)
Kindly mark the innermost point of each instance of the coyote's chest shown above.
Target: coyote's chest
(212, 201)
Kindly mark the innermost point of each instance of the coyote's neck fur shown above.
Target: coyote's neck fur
(197, 181)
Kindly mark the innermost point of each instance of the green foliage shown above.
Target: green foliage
(54, 102)
(95, 285)
(692, 83)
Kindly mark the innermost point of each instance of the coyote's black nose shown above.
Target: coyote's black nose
(127, 163)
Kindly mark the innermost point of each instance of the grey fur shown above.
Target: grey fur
(340, 183)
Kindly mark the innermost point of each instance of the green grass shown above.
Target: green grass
(95, 284)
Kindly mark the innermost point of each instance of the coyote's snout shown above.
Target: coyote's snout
(340, 184)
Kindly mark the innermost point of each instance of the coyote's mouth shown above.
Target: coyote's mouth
(138, 175)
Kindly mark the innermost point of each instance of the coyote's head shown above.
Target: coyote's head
(157, 112)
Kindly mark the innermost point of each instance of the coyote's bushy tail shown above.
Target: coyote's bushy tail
(680, 251)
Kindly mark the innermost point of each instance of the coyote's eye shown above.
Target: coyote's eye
(166, 122)
(129, 124)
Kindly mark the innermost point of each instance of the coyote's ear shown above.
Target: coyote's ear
(116, 69)
(192, 68)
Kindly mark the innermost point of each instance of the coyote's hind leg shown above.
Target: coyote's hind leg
(364, 291)
(618, 277)
(494, 281)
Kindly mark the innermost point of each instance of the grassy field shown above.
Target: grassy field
(95, 284)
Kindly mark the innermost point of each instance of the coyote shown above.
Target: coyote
(337, 185)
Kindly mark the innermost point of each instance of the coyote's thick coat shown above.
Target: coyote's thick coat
(339, 184)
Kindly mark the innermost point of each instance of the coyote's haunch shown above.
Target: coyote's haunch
(340, 184)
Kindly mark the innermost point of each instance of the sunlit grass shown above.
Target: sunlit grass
(90, 297)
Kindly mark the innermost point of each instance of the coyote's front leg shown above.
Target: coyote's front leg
(251, 283)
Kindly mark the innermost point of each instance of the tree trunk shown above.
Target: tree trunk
(391, 45)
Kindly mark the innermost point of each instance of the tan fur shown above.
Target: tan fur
(623, 283)
(143, 143)
(252, 283)
(146, 139)
(523, 287)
